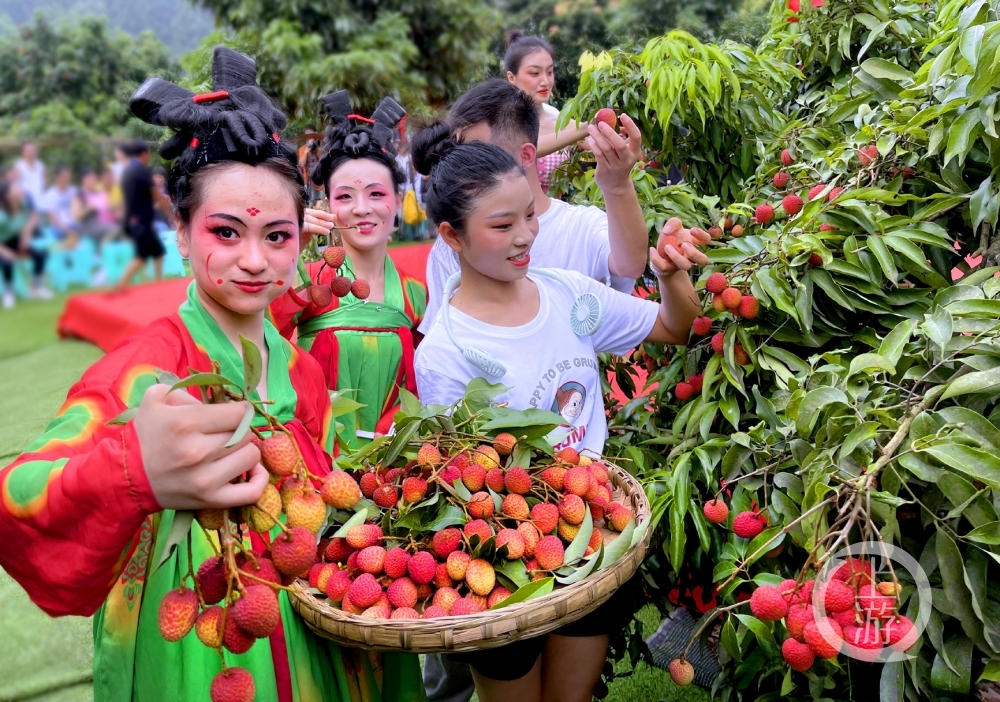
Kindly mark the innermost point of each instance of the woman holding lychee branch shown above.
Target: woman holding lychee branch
(538, 332)
(87, 511)
(358, 313)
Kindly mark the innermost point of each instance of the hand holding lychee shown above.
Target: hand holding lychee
(677, 247)
(616, 153)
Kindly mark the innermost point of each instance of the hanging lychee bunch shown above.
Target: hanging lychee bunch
(321, 294)
(508, 517)
(231, 598)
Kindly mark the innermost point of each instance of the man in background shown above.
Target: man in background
(141, 198)
(31, 173)
(57, 205)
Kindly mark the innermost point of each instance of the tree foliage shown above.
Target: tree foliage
(866, 405)
(74, 81)
(423, 53)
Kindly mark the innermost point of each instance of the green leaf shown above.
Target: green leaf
(866, 431)
(253, 365)
(400, 441)
(408, 403)
(959, 651)
(578, 546)
(537, 588)
(461, 491)
(166, 377)
(938, 326)
(760, 630)
(730, 410)
(125, 417)
(884, 258)
(480, 392)
(730, 641)
(980, 465)
(869, 361)
(895, 341)
(507, 418)
(892, 684)
(242, 428)
(953, 580)
(451, 516)
(886, 70)
(179, 530)
(977, 382)
(991, 672)
(815, 401)
(202, 380)
(619, 547)
(581, 572)
(341, 404)
(988, 534)
(516, 571)
(358, 518)
(973, 425)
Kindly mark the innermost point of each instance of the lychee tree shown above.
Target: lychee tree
(845, 386)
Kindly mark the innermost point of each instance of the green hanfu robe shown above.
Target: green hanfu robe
(364, 348)
(83, 531)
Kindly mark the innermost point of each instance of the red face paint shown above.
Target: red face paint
(281, 282)
(253, 211)
(219, 281)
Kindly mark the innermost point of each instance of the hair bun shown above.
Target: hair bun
(512, 37)
(431, 145)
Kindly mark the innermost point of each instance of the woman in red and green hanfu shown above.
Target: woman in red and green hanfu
(86, 510)
(364, 344)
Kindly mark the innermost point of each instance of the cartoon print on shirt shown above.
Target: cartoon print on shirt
(569, 402)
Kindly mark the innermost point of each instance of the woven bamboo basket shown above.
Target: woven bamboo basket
(492, 628)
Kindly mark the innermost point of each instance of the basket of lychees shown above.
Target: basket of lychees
(471, 538)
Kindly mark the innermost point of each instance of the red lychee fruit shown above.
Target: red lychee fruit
(361, 289)
(208, 627)
(545, 517)
(365, 591)
(338, 585)
(446, 597)
(717, 304)
(279, 454)
(573, 509)
(718, 342)
(235, 639)
(681, 672)
(834, 194)
(232, 685)
(211, 580)
(814, 636)
(716, 511)
(421, 567)
(494, 480)
(798, 655)
(815, 191)
(740, 355)
(481, 505)
(683, 391)
(815, 259)
(334, 256)
(748, 524)
(434, 611)
(767, 604)
(474, 477)
(716, 283)
(515, 506)
(606, 115)
(781, 180)
(340, 490)
(749, 307)
(867, 154)
(457, 562)
(512, 539)
(731, 297)
(480, 576)
(764, 214)
(504, 443)
(874, 603)
(320, 295)
(786, 158)
(429, 456)
(795, 621)
(257, 611)
(619, 516)
(827, 228)
(865, 637)
(568, 455)
(715, 232)
(486, 456)
(478, 527)
(395, 563)
(696, 381)
(338, 551)
(517, 481)
(341, 286)
(402, 593)
(294, 551)
(792, 204)
(371, 559)
(554, 477)
(899, 633)
(414, 490)
(178, 613)
(549, 552)
(701, 326)
(854, 572)
(838, 597)
(386, 496)
(306, 509)
(405, 613)
(369, 481)
(738, 231)
(498, 595)
(577, 481)
(446, 541)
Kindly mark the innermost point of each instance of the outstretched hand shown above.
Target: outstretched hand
(182, 443)
(315, 222)
(677, 248)
(616, 153)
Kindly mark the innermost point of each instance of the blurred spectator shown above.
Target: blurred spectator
(112, 186)
(31, 173)
(57, 204)
(141, 197)
(308, 158)
(413, 223)
(92, 209)
(161, 219)
(18, 221)
(120, 163)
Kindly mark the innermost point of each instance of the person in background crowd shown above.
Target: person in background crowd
(530, 64)
(92, 209)
(161, 219)
(57, 205)
(18, 221)
(308, 158)
(413, 223)
(112, 186)
(120, 163)
(141, 197)
(31, 173)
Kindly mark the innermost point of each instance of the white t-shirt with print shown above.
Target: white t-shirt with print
(571, 237)
(548, 365)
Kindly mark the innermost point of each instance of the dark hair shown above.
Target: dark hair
(195, 192)
(349, 136)
(460, 173)
(135, 148)
(519, 45)
(159, 170)
(509, 112)
(61, 168)
(236, 123)
(5, 202)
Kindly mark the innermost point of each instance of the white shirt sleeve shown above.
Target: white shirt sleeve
(442, 263)
(628, 320)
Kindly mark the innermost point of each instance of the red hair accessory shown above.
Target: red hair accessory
(210, 97)
(359, 118)
(194, 143)
(276, 137)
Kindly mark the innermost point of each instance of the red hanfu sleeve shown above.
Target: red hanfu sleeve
(72, 503)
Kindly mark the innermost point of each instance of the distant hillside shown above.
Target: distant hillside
(178, 25)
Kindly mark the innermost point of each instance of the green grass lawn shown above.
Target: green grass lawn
(49, 660)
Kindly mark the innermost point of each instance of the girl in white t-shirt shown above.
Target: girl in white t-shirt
(538, 332)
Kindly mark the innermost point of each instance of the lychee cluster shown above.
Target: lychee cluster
(511, 514)
(322, 295)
